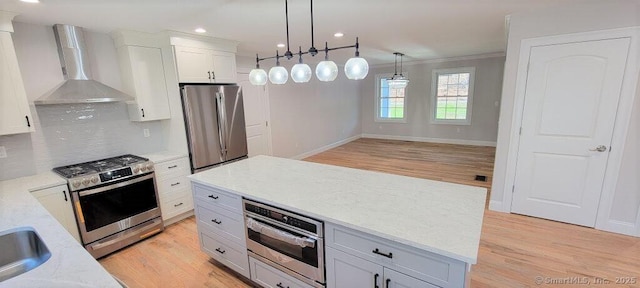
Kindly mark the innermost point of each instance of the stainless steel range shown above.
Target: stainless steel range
(115, 201)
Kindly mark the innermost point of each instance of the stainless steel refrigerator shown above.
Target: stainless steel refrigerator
(214, 120)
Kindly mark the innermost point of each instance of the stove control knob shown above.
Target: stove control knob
(143, 168)
(149, 166)
(136, 169)
(85, 181)
(75, 183)
(94, 179)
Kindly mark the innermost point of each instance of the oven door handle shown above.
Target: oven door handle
(117, 185)
(278, 234)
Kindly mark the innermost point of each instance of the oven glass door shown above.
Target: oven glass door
(117, 202)
(307, 254)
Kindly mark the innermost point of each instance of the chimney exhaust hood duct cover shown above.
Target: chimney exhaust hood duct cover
(78, 87)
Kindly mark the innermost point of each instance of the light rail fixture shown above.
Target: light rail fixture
(356, 67)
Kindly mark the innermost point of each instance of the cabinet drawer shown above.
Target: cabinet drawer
(172, 185)
(179, 205)
(225, 252)
(180, 166)
(427, 266)
(222, 222)
(227, 200)
(270, 277)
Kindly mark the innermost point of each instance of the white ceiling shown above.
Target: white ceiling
(422, 29)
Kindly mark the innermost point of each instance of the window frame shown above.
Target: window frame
(377, 117)
(434, 90)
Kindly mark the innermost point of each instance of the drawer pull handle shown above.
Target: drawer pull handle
(213, 197)
(375, 280)
(179, 204)
(172, 166)
(175, 184)
(220, 251)
(216, 221)
(280, 285)
(376, 251)
(387, 282)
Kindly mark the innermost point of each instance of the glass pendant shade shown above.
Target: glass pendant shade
(301, 73)
(327, 71)
(398, 82)
(258, 77)
(278, 75)
(356, 68)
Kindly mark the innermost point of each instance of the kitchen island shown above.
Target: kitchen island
(439, 222)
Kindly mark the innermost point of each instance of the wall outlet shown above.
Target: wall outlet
(3, 152)
(146, 132)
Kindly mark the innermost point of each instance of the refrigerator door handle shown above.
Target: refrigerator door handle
(222, 131)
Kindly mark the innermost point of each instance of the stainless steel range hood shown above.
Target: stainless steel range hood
(78, 87)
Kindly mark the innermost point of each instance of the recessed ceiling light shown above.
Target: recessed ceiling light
(338, 34)
(200, 30)
(280, 45)
(30, 1)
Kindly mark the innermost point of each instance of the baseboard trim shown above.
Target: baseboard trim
(495, 205)
(325, 148)
(178, 217)
(431, 140)
(620, 227)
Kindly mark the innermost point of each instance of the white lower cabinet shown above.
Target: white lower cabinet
(350, 252)
(174, 190)
(57, 201)
(347, 271)
(221, 227)
(269, 277)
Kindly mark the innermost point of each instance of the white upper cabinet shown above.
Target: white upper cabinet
(204, 59)
(143, 62)
(199, 65)
(15, 116)
(144, 78)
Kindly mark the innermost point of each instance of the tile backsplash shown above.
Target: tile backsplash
(73, 133)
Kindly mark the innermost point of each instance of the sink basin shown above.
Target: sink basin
(22, 250)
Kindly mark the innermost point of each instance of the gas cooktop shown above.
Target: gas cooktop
(84, 175)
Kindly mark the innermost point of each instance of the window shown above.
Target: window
(451, 95)
(390, 102)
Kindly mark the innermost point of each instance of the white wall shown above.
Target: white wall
(307, 118)
(484, 118)
(67, 134)
(563, 20)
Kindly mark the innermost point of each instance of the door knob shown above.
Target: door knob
(600, 148)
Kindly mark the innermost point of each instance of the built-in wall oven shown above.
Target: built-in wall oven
(287, 241)
(115, 201)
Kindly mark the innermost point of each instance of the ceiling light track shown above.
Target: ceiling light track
(356, 68)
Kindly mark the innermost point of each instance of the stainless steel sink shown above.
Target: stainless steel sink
(21, 250)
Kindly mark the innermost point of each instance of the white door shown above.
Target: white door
(57, 201)
(224, 67)
(256, 114)
(571, 99)
(347, 271)
(149, 82)
(194, 64)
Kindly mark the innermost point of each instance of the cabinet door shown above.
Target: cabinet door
(270, 277)
(149, 84)
(194, 64)
(224, 67)
(346, 271)
(393, 279)
(15, 116)
(58, 202)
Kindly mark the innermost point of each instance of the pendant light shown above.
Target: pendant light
(398, 81)
(258, 76)
(356, 68)
(278, 75)
(326, 70)
(301, 73)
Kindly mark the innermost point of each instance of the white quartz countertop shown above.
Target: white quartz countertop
(70, 264)
(439, 217)
(164, 156)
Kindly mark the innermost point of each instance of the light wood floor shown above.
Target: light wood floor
(514, 249)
